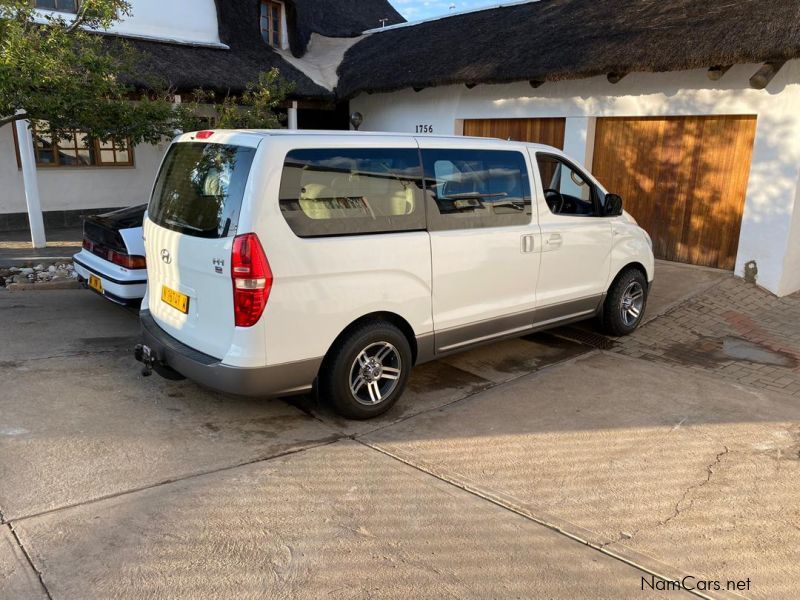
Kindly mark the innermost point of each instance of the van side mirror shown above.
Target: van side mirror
(613, 205)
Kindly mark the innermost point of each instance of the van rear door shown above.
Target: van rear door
(191, 223)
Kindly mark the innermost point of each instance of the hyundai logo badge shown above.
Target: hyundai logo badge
(166, 256)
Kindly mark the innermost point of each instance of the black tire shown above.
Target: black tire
(379, 388)
(618, 320)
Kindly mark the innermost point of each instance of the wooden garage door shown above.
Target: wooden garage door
(537, 131)
(684, 179)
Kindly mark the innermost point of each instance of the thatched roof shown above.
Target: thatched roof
(554, 40)
(334, 18)
(188, 67)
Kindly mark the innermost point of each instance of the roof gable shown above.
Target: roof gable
(335, 18)
(186, 67)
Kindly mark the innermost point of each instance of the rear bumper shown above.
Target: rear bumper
(270, 381)
(119, 285)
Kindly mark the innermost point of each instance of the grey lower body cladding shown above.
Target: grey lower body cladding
(159, 349)
(457, 339)
(165, 354)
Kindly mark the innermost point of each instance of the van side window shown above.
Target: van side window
(471, 189)
(566, 190)
(352, 191)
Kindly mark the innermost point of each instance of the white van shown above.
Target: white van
(280, 261)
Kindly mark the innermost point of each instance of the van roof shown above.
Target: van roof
(458, 139)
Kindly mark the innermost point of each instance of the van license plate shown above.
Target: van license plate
(175, 299)
(95, 283)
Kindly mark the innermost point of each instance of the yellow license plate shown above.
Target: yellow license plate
(175, 299)
(95, 283)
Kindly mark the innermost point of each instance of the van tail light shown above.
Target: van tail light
(252, 279)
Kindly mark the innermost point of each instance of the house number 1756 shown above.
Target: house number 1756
(424, 129)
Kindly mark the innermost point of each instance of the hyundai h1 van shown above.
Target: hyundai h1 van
(284, 261)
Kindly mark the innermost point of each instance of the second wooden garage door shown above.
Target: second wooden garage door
(537, 131)
(684, 179)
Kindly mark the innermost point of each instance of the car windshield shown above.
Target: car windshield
(200, 187)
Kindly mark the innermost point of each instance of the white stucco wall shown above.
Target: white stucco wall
(76, 188)
(186, 21)
(791, 262)
(771, 222)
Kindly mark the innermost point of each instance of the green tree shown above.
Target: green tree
(63, 73)
(256, 108)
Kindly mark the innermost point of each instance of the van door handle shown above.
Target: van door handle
(527, 243)
(554, 241)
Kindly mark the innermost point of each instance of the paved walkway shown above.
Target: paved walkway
(16, 250)
(733, 330)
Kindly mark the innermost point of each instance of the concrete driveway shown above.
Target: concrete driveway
(541, 467)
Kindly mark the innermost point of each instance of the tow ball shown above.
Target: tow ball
(145, 356)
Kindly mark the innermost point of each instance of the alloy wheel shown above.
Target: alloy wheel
(632, 303)
(375, 373)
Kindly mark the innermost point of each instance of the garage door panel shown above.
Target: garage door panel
(548, 131)
(683, 178)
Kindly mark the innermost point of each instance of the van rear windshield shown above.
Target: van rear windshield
(200, 187)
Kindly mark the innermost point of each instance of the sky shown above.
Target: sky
(414, 10)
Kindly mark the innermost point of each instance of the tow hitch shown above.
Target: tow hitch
(145, 356)
(151, 362)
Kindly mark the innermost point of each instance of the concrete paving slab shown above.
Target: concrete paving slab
(430, 386)
(41, 324)
(339, 522)
(659, 464)
(458, 376)
(82, 427)
(79, 422)
(510, 359)
(17, 578)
